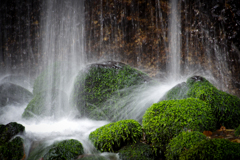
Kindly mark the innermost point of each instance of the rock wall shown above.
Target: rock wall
(137, 32)
(19, 35)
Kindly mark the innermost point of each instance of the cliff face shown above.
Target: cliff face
(19, 35)
(137, 32)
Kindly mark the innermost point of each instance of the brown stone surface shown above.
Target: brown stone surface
(136, 32)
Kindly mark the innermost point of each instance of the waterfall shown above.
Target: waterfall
(174, 67)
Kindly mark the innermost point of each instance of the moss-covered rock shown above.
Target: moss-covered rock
(237, 131)
(94, 157)
(13, 150)
(98, 82)
(65, 150)
(62, 150)
(226, 107)
(47, 103)
(113, 136)
(220, 149)
(12, 94)
(166, 119)
(137, 151)
(184, 141)
(10, 130)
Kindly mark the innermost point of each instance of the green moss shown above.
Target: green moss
(13, 150)
(166, 119)
(136, 151)
(94, 157)
(220, 149)
(98, 82)
(225, 106)
(64, 150)
(113, 136)
(184, 141)
(237, 131)
(10, 130)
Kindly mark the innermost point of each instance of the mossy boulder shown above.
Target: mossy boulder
(220, 149)
(237, 131)
(166, 119)
(115, 135)
(7, 132)
(12, 94)
(47, 103)
(226, 107)
(137, 151)
(98, 82)
(94, 157)
(184, 141)
(62, 150)
(65, 150)
(13, 150)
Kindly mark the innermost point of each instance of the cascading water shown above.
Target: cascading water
(174, 67)
(63, 49)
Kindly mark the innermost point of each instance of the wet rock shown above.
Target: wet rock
(12, 94)
(226, 107)
(98, 82)
(64, 150)
(166, 119)
(47, 103)
(115, 135)
(13, 150)
(212, 149)
(137, 151)
(7, 132)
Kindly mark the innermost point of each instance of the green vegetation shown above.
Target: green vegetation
(98, 82)
(113, 136)
(184, 141)
(136, 151)
(166, 119)
(224, 106)
(237, 131)
(220, 149)
(94, 157)
(13, 150)
(7, 132)
(64, 150)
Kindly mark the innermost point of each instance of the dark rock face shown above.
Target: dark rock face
(13, 94)
(137, 33)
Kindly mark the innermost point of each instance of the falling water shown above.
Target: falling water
(63, 49)
(174, 67)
